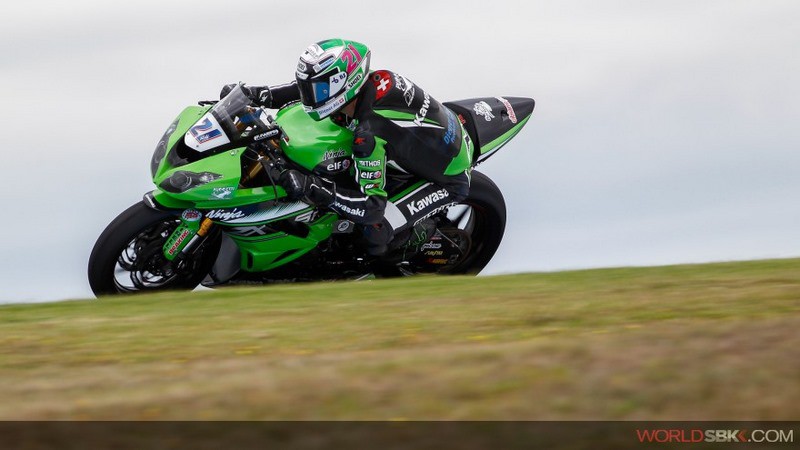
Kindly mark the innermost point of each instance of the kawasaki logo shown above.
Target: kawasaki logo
(426, 103)
(369, 163)
(221, 214)
(417, 206)
(352, 211)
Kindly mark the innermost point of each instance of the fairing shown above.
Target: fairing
(319, 146)
(268, 230)
(492, 121)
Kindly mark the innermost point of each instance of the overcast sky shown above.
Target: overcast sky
(665, 131)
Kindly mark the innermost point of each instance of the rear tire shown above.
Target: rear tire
(481, 216)
(123, 240)
(488, 227)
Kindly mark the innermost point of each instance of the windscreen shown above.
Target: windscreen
(231, 120)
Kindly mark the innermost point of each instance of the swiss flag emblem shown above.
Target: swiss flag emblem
(383, 82)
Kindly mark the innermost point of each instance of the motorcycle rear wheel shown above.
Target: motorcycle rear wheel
(482, 215)
(480, 219)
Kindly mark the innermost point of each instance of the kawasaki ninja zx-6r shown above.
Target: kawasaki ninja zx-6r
(218, 217)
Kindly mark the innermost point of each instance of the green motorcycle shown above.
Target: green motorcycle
(218, 217)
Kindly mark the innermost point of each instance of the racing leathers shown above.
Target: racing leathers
(398, 126)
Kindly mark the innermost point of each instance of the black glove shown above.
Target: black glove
(260, 95)
(226, 90)
(309, 188)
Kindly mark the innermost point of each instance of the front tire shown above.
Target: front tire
(127, 257)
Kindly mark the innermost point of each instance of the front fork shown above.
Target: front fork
(188, 235)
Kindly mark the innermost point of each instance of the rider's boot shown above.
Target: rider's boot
(408, 243)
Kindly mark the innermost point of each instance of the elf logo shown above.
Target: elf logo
(338, 166)
(416, 206)
(371, 175)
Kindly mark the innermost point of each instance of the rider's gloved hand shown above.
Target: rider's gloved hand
(226, 90)
(309, 188)
(260, 95)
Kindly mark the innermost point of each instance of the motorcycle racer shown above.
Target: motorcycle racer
(396, 125)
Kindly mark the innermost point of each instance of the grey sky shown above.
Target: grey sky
(664, 130)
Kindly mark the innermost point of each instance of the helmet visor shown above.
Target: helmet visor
(315, 92)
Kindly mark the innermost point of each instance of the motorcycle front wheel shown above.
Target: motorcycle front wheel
(128, 256)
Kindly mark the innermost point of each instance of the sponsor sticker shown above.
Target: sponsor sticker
(268, 134)
(313, 52)
(225, 214)
(191, 215)
(369, 163)
(354, 81)
(423, 111)
(483, 109)
(222, 193)
(350, 210)
(371, 175)
(338, 166)
(307, 217)
(206, 130)
(337, 153)
(330, 106)
(418, 205)
(178, 242)
(450, 134)
(512, 116)
(336, 82)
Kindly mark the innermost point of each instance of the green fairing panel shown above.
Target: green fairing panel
(311, 143)
(505, 137)
(268, 252)
(186, 119)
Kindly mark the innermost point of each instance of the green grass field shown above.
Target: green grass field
(715, 341)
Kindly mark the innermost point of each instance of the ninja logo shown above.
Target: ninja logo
(334, 153)
(222, 214)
